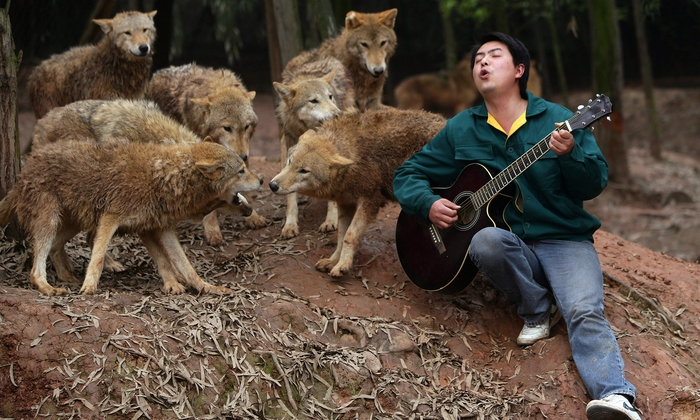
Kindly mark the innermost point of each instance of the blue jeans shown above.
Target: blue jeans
(533, 273)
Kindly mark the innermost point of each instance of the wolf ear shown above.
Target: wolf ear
(208, 167)
(285, 92)
(330, 76)
(250, 95)
(353, 20)
(207, 139)
(339, 162)
(105, 24)
(388, 18)
(151, 14)
(202, 103)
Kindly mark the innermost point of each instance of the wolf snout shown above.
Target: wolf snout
(144, 49)
(377, 71)
(273, 186)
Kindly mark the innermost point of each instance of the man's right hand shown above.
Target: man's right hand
(443, 213)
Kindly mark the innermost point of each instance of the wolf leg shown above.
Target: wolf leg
(291, 224)
(59, 258)
(110, 264)
(43, 233)
(346, 214)
(364, 215)
(171, 282)
(171, 245)
(212, 232)
(331, 222)
(255, 220)
(106, 227)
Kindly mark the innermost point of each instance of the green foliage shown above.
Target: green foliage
(226, 30)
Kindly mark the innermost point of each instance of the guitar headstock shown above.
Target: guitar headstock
(586, 115)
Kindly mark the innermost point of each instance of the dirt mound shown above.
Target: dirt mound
(292, 343)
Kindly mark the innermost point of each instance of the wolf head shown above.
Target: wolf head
(228, 117)
(225, 172)
(131, 32)
(312, 166)
(371, 38)
(307, 103)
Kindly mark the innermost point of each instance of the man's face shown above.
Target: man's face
(494, 69)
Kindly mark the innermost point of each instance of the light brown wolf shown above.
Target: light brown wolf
(116, 186)
(137, 120)
(133, 120)
(308, 95)
(118, 66)
(449, 93)
(210, 102)
(351, 160)
(364, 46)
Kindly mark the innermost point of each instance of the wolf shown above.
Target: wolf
(351, 160)
(117, 186)
(118, 66)
(449, 92)
(308, 95)
(137, 120)
(364, 46)
(210, 102)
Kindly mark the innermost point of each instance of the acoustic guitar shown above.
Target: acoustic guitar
(437, 259)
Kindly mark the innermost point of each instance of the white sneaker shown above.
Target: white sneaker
(612, 407)
(531, 335)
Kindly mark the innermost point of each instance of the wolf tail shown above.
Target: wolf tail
(7, 207)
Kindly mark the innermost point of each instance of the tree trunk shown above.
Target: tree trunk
(319, 14)
(556, 49)
(9, 132)
(287, 23)
(607, 79)
(273, 44)
(93, 32)
(450, 41)
(647, 80)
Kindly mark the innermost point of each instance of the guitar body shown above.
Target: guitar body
(451, 271)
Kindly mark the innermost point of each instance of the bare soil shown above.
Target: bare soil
(291, 342)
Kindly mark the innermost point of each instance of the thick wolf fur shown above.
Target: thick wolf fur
(141, 188)
(138, 120)
(364, 46)
(449, 93)
(118, 66)
(133, 120)
(210, 102)
(308, 95)
(351, 160)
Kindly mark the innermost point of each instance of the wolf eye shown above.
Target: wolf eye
(364, 44)
(330, 97)
(227, 128)
(127, 33)
(247, 126)
(303, 171)
(242, 171)
(383, 43)
(314, 101)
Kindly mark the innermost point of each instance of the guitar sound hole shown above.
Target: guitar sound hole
(468, 216)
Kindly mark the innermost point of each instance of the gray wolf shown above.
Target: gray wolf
(308, 95)
(120, 187)
(351, 160)
(449, 92)
(118, 66)
(210, 102)
(364, 46)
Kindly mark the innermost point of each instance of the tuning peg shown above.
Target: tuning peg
(592, 128)
(580, 107)
(609, 119)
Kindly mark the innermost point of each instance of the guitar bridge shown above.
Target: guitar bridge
(437, 239)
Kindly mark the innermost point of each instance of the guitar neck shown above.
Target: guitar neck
(489, 190)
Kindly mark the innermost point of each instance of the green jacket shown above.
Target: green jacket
(550, 194)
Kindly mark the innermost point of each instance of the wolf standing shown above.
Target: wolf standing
(364, 46)
(116, 67)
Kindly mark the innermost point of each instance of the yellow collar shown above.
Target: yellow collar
(517, 124)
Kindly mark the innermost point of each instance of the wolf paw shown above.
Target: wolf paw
(326, 265)
(217, 290)
(88, 289)
(338, 271)
(255, 221)
(53, 291)
(113, 266)
(173, 288)
(214, 237)
(328, 227)
(290, 230)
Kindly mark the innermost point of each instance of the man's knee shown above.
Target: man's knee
(487, 241)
